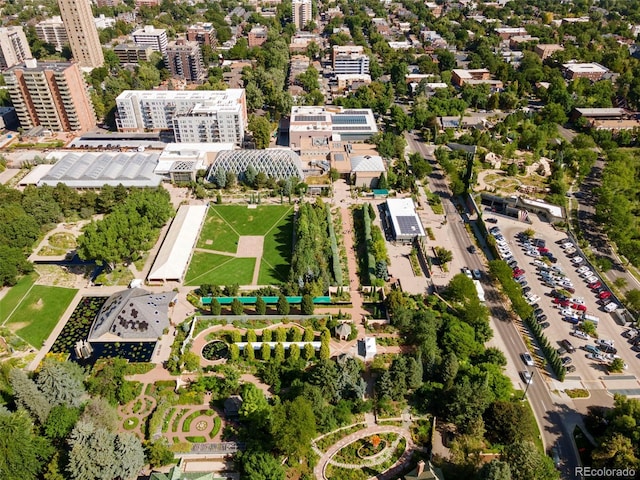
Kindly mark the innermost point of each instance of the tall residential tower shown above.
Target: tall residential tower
(82, 32)
(302, 13)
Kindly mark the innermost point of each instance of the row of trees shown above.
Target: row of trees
(129, 229)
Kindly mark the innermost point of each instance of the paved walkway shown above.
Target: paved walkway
(402, 432)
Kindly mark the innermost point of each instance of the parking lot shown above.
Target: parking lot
(591, 372)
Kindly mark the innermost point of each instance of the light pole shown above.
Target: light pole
(526, 389)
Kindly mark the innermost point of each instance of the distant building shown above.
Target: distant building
(477, 76)
(424, 471)
(14, 47)
(330, 124)
(176, 473)
(50, 95)
(8, 118)
(184, 60)
(593, 71)
(132, 54)
(612, 119)
(107, 3)
(302, 13)
(149, 36)
(505, 33)
(193, 115)
(257, 35)
(52, 31)
(203, 33)
(545, 50)
(301, 40)
(350, 59)
(81, 32)
(147, 3)
(352, 81)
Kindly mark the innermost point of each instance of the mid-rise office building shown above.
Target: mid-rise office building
(302, 13)
(203, 33)
(52, 31)
(350, 59)
(184, 60)
(128, 53)
(107, 3)
(149, 36)
(193, 115)
(81, 32)
(50, 95)
(14, 47)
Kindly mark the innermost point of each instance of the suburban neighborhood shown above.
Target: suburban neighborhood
(330, 240)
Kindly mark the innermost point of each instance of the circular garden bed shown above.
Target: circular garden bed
(215, 350)
(131, 423)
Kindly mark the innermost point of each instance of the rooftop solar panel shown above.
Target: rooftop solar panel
(310, 118)
(353, 127)
(349, 120)
(408, 225)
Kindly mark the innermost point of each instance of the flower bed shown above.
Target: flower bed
(215, 350)
(216, 427)
(186, 426)
(363, 473)
(328, 440)
(131, 423)
(351, 453)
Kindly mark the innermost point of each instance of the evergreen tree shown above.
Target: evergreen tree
(61, 382)
(28, 396)
(283, 305)
(261, 306)
(307, 306)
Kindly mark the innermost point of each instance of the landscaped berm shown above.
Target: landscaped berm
(243, 245)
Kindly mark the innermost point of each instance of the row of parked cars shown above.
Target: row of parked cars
(589, 277)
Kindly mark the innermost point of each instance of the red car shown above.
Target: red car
(595, 285)
(543, 250)
(562, 303)
(604, 295)
(517, 272)
(577, 306)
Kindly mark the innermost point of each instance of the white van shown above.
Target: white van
(610, 307)
(590, 318)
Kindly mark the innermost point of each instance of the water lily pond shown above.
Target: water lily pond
(78, 327)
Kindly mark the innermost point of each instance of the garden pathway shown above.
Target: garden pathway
(326, 458)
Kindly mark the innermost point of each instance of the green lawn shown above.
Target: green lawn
(39, 312)
(14, 295)
(219, 269)
(276, 253)
(221, 231)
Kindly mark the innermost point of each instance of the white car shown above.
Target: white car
(565, 283)
(539, 263)
(583, 268)
(630, 333)
(596, 356)
(605, 342)
(528, 359)
(578, 300)
(577, 260)
(591, 279)
(467, 272)
(566, 245)
(533, 299)
(610, 307)
(570, 251)
(532, 253)
(527, 377)
(586, 273)
(579, 334)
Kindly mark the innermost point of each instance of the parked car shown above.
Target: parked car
(610, 307)
(517, 272)
(596, 356)
(595, 285)
(582, 268)
(532, 253)
(572, 320)
(604, 295)
(491, 220)
(605, 342)
(570, 368)
(538, 311)
(533, 299)
(630, 333)
(577, 260)
(592, 349)
(567, 344)
(526, 289)
(566, 361)
(579, 307)
(541, 318)
(591, 279)
(562, 302)
(467, 272)
(472, 249)
(607, 349)
(579, 334)
(544, 325)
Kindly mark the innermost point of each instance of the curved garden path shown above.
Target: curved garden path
(402, 432)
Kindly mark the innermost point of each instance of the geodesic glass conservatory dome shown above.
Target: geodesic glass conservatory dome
(277, 163)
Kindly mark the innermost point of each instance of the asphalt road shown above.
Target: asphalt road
(552, 417)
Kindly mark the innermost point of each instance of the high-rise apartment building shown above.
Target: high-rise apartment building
(50, 95)
(302, 13)
(149, 36)
(350, 59)
(52, 31)
(132, 54)
(203, 33)
(107, 3)
(193, 115)
(184, 60)
(14, 48)
(82, 32)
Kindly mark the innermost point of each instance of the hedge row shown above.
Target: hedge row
(547, 349)
(335, 253)
(368, 241)
(500, 270)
